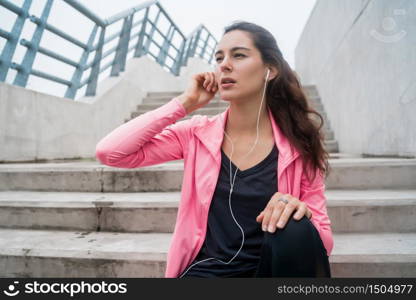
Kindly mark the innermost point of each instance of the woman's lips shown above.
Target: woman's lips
(227, 85)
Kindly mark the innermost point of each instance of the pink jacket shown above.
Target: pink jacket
(154, 137)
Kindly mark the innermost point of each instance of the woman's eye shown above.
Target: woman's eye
(235, 55)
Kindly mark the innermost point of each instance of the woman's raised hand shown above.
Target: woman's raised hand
(201, 89)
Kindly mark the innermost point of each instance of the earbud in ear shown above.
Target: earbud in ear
(267, 75)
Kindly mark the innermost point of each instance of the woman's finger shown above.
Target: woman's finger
(267, 211)
(300, 212)
(277, 211)
(212, 81)
(209, 80)
(205, 83)
(259, 218)
(267, 215)
(289, 208)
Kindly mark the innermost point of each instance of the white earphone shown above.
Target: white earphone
(232, 181)
(267, 75)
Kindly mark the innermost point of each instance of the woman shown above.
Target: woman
(252, 203)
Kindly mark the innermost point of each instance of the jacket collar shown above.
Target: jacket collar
(211, 134)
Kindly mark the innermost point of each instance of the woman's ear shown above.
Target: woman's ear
(274, 72)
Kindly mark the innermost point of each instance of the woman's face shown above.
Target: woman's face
(237, 58)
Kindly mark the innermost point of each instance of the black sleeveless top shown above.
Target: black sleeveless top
(253, 188)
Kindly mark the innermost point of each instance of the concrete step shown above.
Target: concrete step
(344, 155)
(169, 94)
(372, 173)
(310, 90)
(350, 211)
(90, 177)
(346, 173)
(115, 212)
(331, 145)
(366, 211)
(36, 253)
(374, 255)
(329, 134)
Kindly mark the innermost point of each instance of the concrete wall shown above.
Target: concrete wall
(361, 54)
(37, 126)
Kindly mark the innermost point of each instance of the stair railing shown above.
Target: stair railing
(141, 31)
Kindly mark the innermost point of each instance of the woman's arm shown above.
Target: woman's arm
(313, 194)
(151, 138)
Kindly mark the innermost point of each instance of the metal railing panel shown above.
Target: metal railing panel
(151, 38)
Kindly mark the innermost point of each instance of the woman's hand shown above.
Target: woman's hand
(277, 213)
(200, 91)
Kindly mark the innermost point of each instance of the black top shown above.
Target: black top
(253, 188)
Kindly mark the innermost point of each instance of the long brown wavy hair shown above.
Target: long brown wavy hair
(288, 103)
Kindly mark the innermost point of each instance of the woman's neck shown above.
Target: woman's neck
(242, 119)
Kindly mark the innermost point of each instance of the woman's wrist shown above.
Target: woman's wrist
(185, 102)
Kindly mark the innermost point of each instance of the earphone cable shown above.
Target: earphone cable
(233, 181)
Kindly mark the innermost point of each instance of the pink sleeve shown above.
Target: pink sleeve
(151, 138)
(312, 193)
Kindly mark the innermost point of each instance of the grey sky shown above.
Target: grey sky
(285, 19)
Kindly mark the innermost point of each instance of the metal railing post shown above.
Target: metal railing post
(211, 55)
(205, 46)
(196, 42)
(27, 64)
(139, 51)
(188, 52)
(123, 44)
(152, 31)
(126, 43)
(165, 48)
(179, 58)
(95, 68)
(14, 36)
(76, 77)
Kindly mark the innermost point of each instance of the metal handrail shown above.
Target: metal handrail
(192, 45)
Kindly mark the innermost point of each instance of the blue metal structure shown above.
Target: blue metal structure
(199, 43)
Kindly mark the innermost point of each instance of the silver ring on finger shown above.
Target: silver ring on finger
(283, 199)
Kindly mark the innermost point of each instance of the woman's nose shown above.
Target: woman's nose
(225, 65)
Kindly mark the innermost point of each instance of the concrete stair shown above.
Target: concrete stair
(347, 173)
(123, 232)
(352, 211)
(216, 106)
(47, 253)
(84, 219)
